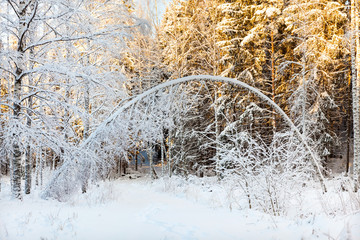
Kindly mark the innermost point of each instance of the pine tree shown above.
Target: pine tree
(315, 60)
(187, 38)
(188, 41)
(250, 34)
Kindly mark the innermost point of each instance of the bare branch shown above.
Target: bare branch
(12, 6)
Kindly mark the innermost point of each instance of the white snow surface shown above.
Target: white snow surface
(167, 209)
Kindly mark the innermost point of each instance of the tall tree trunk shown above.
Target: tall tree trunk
(87, 110)
(217, 132)
(42, 159)
(273, 94)
(162, 155)
(170, 152)
(28, 157)
(150, 156)
(37, 165)
(349, 128)
(86, 171)
(136, 159)
(16, 158)
(355, 64)
(28, 168)
(304, 94)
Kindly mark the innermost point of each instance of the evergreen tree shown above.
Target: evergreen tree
(316, 58)
(187, 38)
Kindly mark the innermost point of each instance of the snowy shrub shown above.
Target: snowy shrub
(340, 199)
(264, 174)
(63, 189)
(78, 168)
(134, 125)
(100, 193)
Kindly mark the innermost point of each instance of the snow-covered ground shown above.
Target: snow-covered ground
(171, 209)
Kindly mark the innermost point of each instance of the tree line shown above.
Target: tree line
(303, 54)
(66, 66)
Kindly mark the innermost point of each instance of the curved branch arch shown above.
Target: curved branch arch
(123, 105)
(314, 158)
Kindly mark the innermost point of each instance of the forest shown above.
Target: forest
(260, 97)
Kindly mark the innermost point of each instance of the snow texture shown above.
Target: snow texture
(169, 209)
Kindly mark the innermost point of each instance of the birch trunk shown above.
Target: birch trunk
(349, 127)
(28, 157)
(37, 165)
(355, 64)
(150, 155)
(217, 133)
(28, 165)
(16, 158)
(87, 97)
(170, 157)
(86, 122)
(42, 159)
(162, 155)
